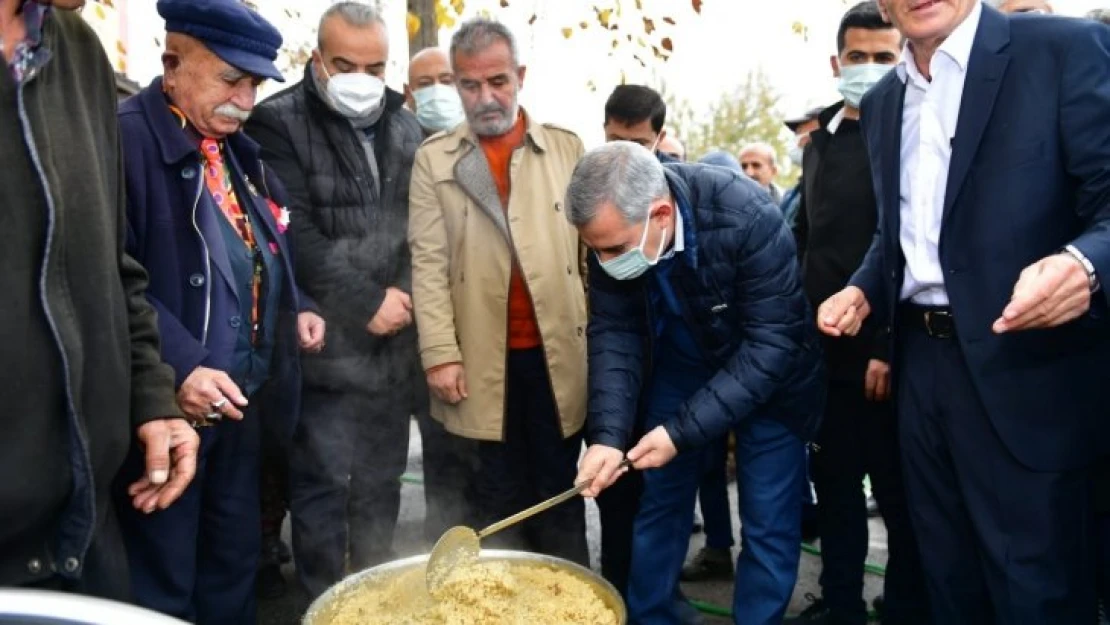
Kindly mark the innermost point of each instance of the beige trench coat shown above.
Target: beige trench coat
(462, 245)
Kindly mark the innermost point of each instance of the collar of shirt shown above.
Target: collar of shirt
(956, 47)
(26, 53)
(834, 123)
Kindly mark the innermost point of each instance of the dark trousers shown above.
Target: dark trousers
(533, 463)
(450, 463)
(617, 507)
(197, 559)
(860, 437)
(349, 452)
(1000, 543)
(716, 513)
(274, 493)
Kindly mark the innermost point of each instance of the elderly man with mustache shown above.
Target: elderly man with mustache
(208, 222)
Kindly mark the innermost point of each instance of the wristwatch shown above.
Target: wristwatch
(1092, 276)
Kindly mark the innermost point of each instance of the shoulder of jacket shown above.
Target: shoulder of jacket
(555, 130)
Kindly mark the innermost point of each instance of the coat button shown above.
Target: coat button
(188, 173)
(72, 564)
(34, 566)
(196, 280)
(558, 206)
(569, 271)
(579, 330)
(235, 321)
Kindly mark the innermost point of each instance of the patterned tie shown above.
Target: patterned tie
(218, 178)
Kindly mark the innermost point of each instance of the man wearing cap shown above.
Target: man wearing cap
(801, 127)
(80, 373)
(343, 144)
(207, 221)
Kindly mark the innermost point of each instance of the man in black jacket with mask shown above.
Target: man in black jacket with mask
(835, 224)
(343, 145)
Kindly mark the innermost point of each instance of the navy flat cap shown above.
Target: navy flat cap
(231, 30)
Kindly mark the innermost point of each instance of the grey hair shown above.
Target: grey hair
(356, 14)
(762, 148)
(1100, 15)
(479, 33)
(622, 173)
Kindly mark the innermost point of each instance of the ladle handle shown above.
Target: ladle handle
(542, 506)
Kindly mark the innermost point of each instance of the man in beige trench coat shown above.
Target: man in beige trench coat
(498, 293)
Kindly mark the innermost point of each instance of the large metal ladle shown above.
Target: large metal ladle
(461, 544)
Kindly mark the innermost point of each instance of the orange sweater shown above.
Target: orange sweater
(523, 331)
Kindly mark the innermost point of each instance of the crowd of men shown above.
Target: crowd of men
(221, 311)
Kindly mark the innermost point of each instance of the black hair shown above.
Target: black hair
(632, 104)
(864, 15)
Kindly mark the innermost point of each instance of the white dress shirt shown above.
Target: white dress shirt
(929, 117)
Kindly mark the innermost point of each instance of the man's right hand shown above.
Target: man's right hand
(843, 313)
(206, 391)
(448, 382)
(601, 466)
(393, 315)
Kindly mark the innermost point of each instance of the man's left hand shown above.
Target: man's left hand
(876, 382)
(654, 450)
(171, 447)
(310, 331)
(1049, 293)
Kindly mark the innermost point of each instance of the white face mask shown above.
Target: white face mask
(795, 155)
(356, 94)
(438, 107)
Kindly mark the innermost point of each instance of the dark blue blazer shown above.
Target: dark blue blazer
(739, 288)
(172, 229)
(1030, 173)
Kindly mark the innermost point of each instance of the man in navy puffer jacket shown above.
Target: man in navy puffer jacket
(698, 326)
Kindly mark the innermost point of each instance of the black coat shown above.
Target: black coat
(739, 287)
(79, 327)
(350, 249)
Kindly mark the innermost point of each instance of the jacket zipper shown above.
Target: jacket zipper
(207, 263)
(71, 406)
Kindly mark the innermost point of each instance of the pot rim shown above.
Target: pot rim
(613, 600)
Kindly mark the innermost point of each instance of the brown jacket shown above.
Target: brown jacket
(462, 247)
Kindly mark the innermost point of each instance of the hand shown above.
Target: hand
(393, 315)
(171, 462)
(448, 382)
(654, 450)
(843, 313)
(876, 383)
(601, 467)
(310, 331)
(1049, 293)
(206, 391)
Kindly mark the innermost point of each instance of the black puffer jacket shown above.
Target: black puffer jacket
(739, 286)
(350, 249)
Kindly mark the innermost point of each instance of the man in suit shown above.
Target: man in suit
(990, 152)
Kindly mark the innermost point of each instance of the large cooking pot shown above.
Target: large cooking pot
(40, 607)
(323, 609)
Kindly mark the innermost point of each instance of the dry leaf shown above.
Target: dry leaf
(567, 32)
(532, 20)
(667, 45)
(649, 26)
(697, 6)
(669, 20)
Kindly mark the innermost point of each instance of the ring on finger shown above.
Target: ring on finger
(216, 405)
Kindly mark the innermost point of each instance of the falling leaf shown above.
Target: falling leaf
(532, 20)
(639, 5)
(412, 23)
(669, 20)
(667, 45)
(697, 6)
(583, 25)
(504, 4)
(616, 43)
(639, 60)
(567, 32)
(649, 26)
(603, 17)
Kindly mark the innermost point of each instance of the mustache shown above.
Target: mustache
(492, 107)
(228, 109)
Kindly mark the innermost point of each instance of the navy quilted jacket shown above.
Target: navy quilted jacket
(741, 295)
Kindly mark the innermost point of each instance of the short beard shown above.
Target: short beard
(494, 128)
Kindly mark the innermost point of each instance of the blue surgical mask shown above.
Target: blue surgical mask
(438, 107)
(856, 80)
(634, 263)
